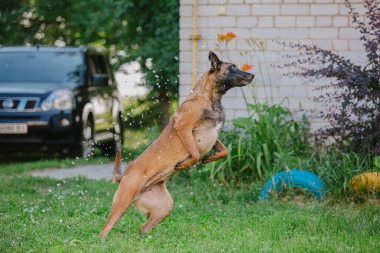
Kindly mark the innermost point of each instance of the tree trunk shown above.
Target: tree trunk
(165, 106)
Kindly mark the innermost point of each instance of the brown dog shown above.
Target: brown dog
(192, 133)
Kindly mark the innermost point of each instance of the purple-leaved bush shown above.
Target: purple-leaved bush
(352, 99)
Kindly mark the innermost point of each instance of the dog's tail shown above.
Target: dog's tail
(116, 173)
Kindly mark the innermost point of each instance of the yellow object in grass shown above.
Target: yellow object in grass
(367, 181)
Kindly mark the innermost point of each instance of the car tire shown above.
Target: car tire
(84, 149)
(110, 148)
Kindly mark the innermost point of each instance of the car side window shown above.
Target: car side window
(100, 65)
(96, 67)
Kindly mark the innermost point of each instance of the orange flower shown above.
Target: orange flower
(221, 37)
(246, 67)
(230, 36)
(226, 37)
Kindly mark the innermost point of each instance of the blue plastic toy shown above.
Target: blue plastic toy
(294, 179)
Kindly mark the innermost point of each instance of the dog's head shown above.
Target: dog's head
(227, 75)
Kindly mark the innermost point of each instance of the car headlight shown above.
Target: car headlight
(58, 100)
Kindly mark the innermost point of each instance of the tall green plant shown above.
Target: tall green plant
(268, 140)
(337, 168)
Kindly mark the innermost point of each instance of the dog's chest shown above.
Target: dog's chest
(207, 132)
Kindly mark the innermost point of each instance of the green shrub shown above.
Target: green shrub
(337, 168)
(270, 140)
(267, 141)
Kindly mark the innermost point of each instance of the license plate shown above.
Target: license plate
(13, 128)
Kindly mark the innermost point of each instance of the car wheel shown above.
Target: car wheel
(110, 148)
(85, 147)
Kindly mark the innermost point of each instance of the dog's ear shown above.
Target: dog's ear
(215, 62)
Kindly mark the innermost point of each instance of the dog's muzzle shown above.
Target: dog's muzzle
(247, 79)
(250, 77)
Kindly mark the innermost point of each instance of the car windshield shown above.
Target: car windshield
(42, 67)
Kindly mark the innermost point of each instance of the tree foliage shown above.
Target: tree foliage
(130, 30)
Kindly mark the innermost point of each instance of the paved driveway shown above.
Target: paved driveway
(94, 171)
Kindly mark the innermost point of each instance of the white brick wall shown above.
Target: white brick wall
(321, 22)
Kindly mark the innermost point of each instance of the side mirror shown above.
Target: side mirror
(100, 80)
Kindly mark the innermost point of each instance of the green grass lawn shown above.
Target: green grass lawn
(46, 215)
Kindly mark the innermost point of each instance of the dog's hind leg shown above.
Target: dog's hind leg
(130, 184)
(156, 203)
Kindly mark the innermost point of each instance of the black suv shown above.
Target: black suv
(58, 99)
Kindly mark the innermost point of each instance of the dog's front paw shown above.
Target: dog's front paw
(178, 166)
(206, 159)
